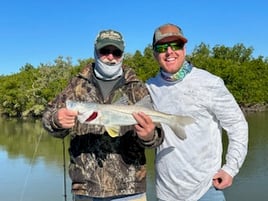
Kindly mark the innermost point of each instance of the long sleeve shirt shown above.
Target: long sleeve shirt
(185, 169)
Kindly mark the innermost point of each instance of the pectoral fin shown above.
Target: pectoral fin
(113, 131)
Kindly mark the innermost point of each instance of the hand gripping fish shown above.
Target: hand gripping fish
(113, 116)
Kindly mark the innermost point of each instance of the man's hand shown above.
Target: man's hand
(222, 180)
(66, 118)
(145, 127)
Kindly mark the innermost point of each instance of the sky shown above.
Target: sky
(37, 32)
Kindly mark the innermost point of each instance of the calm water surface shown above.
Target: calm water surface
(32, 164)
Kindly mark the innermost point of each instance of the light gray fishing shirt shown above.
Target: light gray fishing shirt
(185, 169)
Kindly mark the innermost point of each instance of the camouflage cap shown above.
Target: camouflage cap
(109, 37)
(168, 32)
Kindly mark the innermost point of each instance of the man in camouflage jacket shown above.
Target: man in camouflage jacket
(102, 166)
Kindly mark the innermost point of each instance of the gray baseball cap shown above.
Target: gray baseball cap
(168, 32)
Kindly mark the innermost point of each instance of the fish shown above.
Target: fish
(112, 116)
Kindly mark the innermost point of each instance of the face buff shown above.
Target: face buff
(176, 77)
(107, 71)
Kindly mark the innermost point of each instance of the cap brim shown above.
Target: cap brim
(104, 43)
(107, 44)
(171, 38)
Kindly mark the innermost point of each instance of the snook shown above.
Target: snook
(113, 116)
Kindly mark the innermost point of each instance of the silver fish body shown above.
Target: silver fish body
(113, 116)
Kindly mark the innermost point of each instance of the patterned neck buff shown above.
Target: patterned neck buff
(178, 76)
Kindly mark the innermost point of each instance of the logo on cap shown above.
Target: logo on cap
(109, 37)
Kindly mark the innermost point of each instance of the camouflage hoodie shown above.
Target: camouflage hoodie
(101, 166)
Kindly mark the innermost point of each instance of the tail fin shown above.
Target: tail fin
(178, 131)
(177, 125)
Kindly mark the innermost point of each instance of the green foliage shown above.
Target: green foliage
(25, 94)
(243, 75)
(144, 65)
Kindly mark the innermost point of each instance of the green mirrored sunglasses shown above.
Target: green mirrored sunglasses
(163, 47)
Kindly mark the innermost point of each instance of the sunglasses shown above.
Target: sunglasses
(106, 51)
(161, 48)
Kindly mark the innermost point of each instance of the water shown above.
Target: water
(251, 184)
(31, 164)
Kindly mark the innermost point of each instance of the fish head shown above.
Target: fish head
(87, 112)
(92, 116)
(88, 115)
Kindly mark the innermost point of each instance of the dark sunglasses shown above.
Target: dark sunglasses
(106, 51)
(163, 47)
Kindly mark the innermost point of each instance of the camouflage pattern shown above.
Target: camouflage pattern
(101, 166)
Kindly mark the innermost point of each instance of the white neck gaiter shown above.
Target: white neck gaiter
(107, 71)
